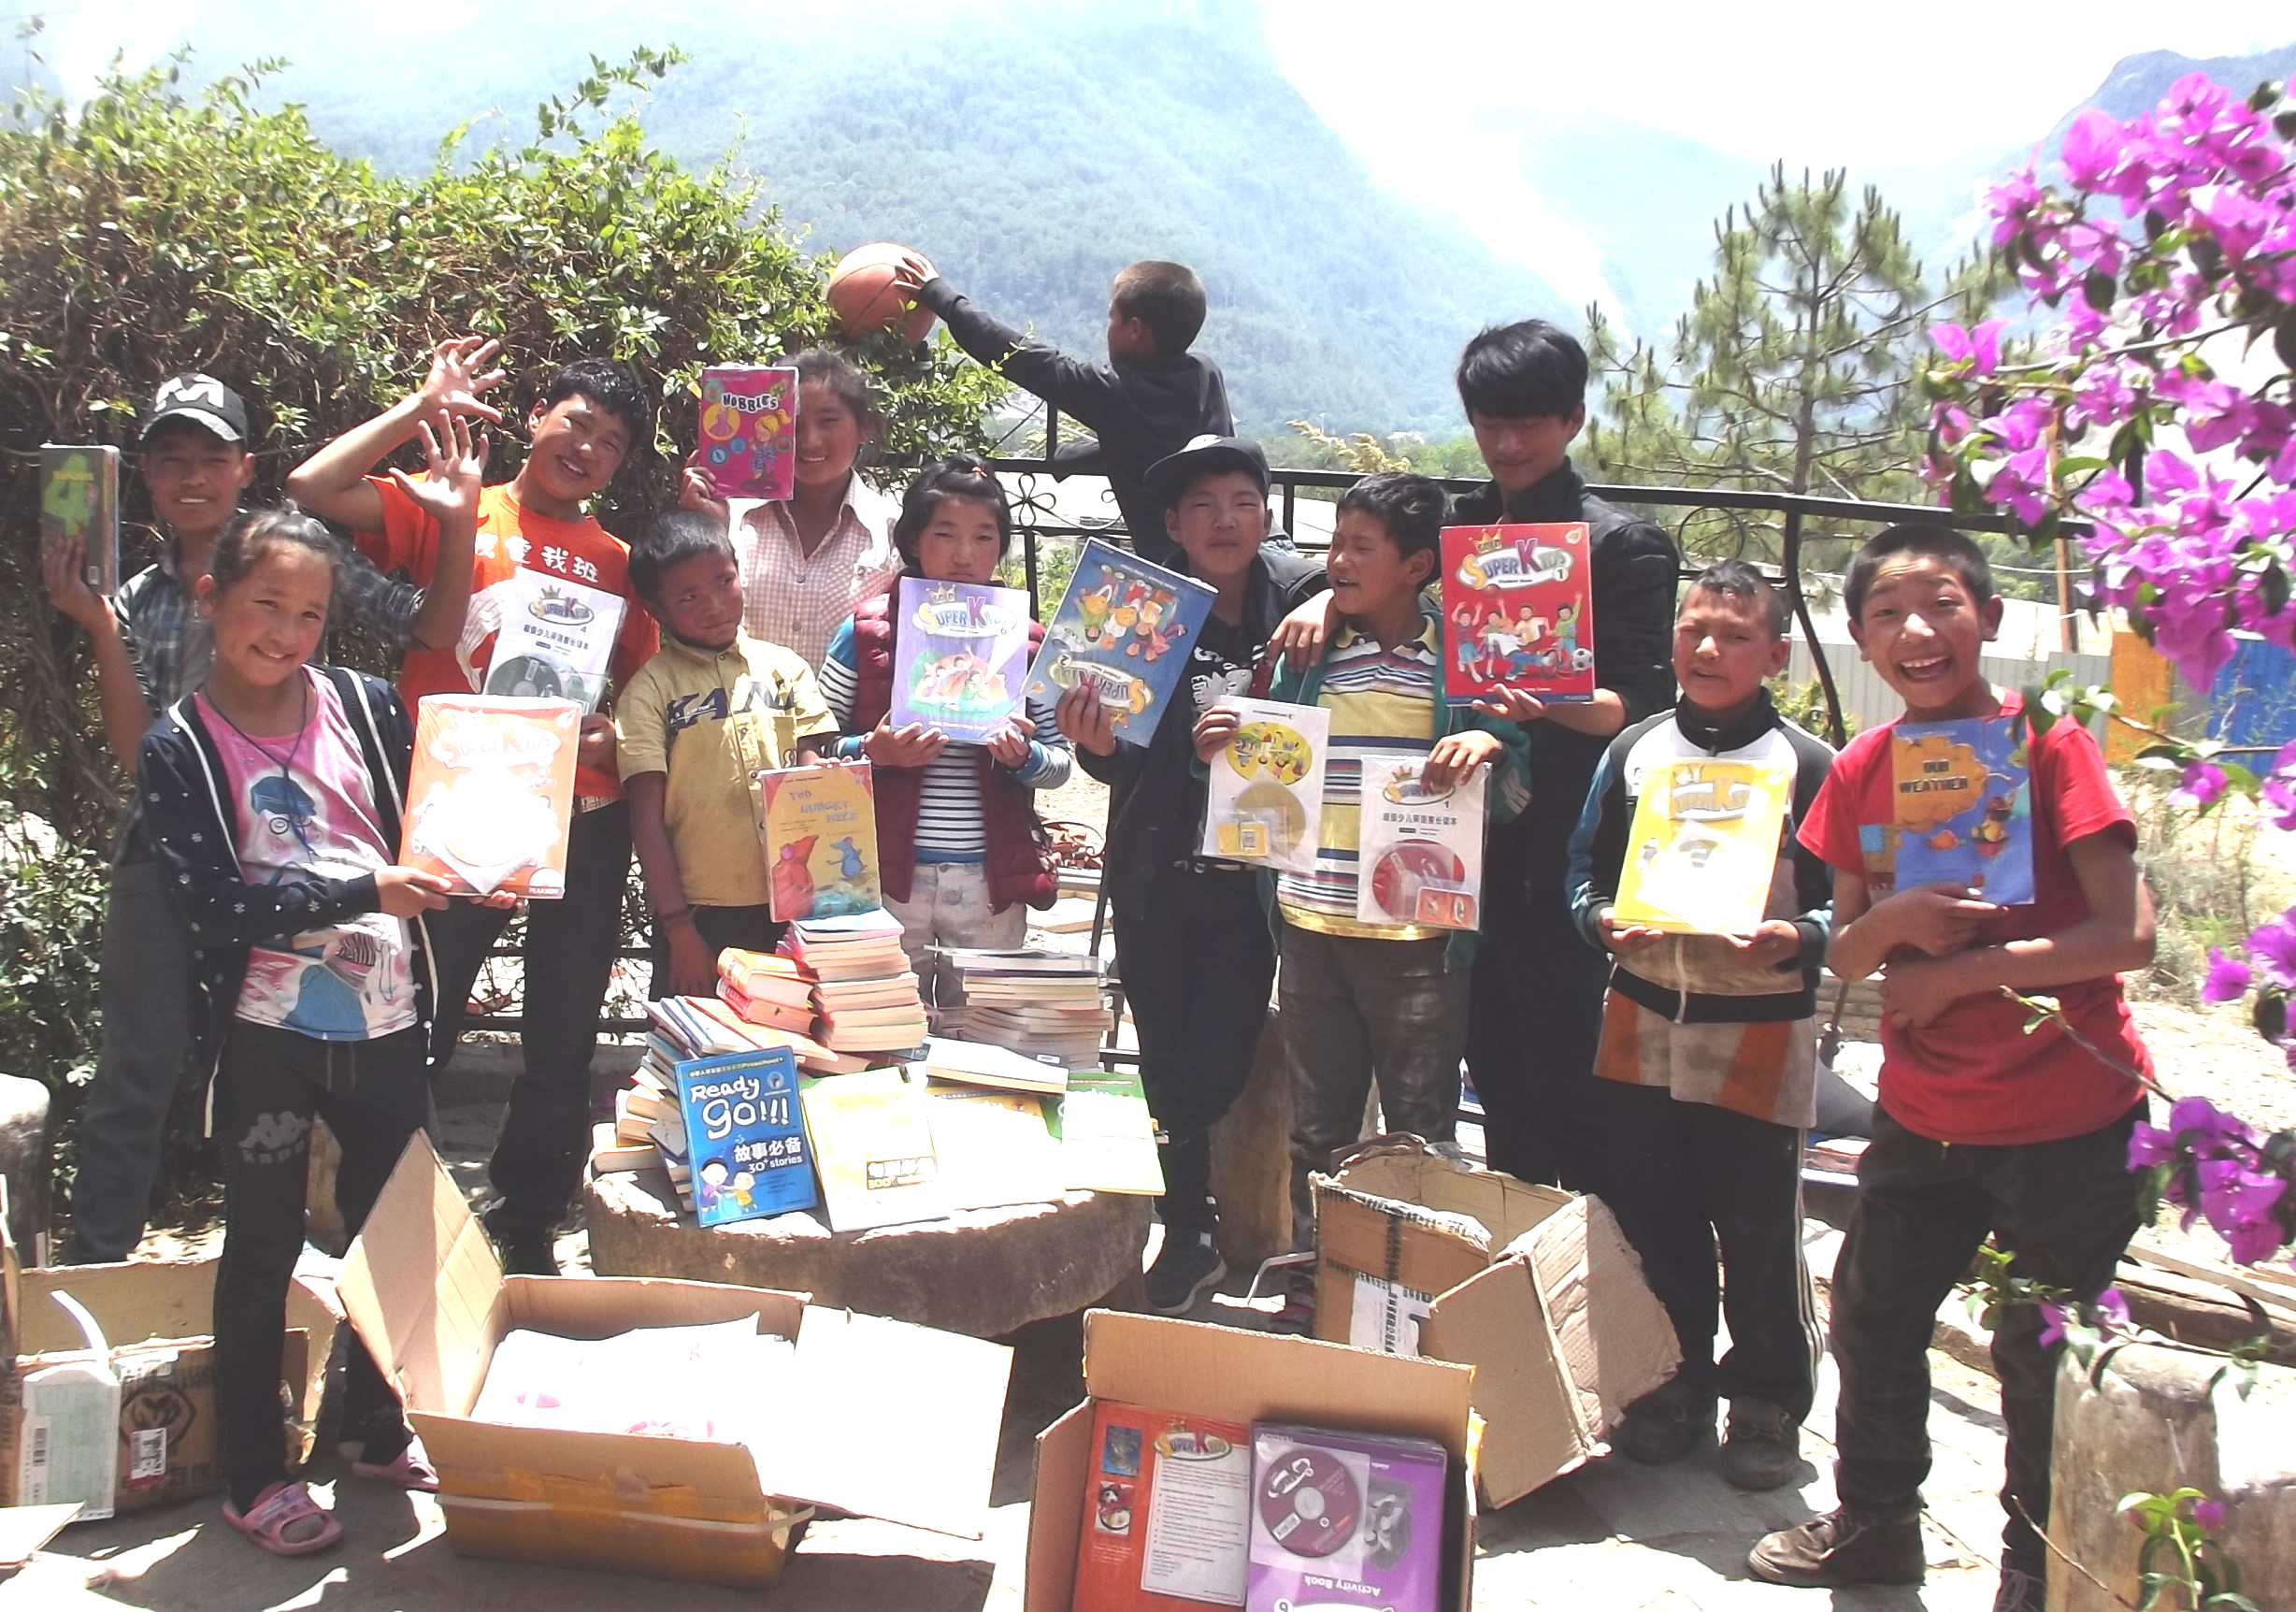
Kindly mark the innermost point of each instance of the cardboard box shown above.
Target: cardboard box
(158, 1317)
(1536, 1289)
(884, 1419)
(1244, 1377)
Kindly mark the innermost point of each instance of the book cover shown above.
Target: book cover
(1124, 627)
(961, 653)
(749, 430)
(818, 826)
(978, 1063)
(1108, 1138)
(491, 793)
(80, 498)
(1703, 849)
(744, 1136)
(993, 1147)
(873, 1144)
(1265, 796)
(1167, 1511)
(1964, 806)
(1420, 850)
(1518, 612)
(1342, 1520)
(555, 639)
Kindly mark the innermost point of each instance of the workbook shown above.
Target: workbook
(1126, 628)
(873, 1144)
(1964, 806)
(555, 640)
(749, 430)
(1517, 612)
(960, 656)
(1702, 848)
(818, 826)
(1264, 801)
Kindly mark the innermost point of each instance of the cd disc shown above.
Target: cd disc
(1309, 1503)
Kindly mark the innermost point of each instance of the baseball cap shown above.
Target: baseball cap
(1168, 475)
(201, 399)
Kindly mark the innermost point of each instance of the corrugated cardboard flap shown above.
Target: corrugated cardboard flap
(1616, 1340)
(421, 1285)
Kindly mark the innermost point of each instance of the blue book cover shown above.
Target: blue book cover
(1964, 806)
(744, 1136)
(1126, 627)
(959, 653)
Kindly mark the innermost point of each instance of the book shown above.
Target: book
(748, 430)
(611, 1154)
(1168, 1509)
(1702, 848)
(1340, 1508)
(1108, 1139)
(1419, 855)
(556, 638)
(1124, 627)
(976, 1063)
(960, 653)
(979, 962)
(79, 500)
(797, 1017)
(873, 1146)
(993, 1147)
(763, 975)
(1964, 806)
(491, 794)
(1518, 612)
(1264, 801)
(745, 1139)
(818, 826)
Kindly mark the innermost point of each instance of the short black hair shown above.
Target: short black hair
(1527, 370)
(1740, 579)
(952, 476)
(1410, 507)
(1960, 552)
(613, 388)
(1168, 297)
(672, 538)
(253, 533)
(845, 378)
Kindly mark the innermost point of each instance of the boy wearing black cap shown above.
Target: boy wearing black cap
(151, 646)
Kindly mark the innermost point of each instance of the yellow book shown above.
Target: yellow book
(1704, 846)
(873, 1147)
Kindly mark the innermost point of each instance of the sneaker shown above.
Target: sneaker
(1664, 1423)
(1847, 1545)
(525, 1250)
(1189, 1264)
(2020, 1590)
(1764, 1446)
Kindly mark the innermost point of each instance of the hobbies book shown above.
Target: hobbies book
(556, 638)
(1517, 612)
(79, 497)
(749, 430)
(1703, 849)
(1124, 627)
(491, 793)
(819, 829)
(1167, 1510)
(745, 1139)
(1964, 806)
(960, 655)
(1421, 857)
(873, 1144)
(1266, 797)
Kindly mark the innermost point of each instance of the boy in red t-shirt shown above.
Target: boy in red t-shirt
(1982, 1128)
(535, 539)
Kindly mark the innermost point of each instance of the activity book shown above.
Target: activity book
(749, 430)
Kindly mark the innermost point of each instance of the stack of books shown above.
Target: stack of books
(863, 994)
(1041, 1003)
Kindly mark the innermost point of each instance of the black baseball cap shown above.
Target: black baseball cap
(202, 400)
(1201, 456)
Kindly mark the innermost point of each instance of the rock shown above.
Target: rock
(24, 1163)
(1251, 1160)
(984, 1272)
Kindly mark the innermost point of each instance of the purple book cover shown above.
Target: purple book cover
(961, 651)
(749, 430)
(1342, 1520)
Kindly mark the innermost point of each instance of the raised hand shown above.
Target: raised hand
(455, 451)
(1513, 705)
(458, 375)
(64, 567)
(1008, 748)
(910, 272)
(1086, 720)
(1213, 729)
(697, 492)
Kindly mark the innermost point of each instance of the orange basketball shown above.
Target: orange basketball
(863, 297)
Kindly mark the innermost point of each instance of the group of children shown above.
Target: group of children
(1674, 1075)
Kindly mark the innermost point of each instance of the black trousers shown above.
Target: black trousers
(1686, 1176)
(1534, 1018)
(2065, 1209)
(569, 965)
(746, 929)
(1197, 962)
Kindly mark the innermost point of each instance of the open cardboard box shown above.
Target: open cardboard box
(883, 1419)
(1244, 1377)
(1537, 1290)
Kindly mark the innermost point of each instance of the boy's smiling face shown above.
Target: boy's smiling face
(1922, 629)
(578, 445)
(1370, 576)
(194, 478)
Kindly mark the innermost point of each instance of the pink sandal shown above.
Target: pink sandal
(411, 1470)
(277, 1522)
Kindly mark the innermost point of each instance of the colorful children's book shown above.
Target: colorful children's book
(79, 497)
(749, 430)
(557, 640)
(491, 793)
(961, 653)
(1168, 1512)
(1265, 802)
(1964, 806)
(819, 829)
(1518, 612)
(1703, 849)
(1124, 627)
(1108, 1138)
(873, 1144)
(1420, 859)
(1346, 1520)
(745, 1138)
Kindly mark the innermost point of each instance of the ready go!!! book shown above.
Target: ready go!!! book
(1964, 806)
(1703, 849)
(749, 430)
(491, 793)
(961, 652)
(1517, 612)
(819, 829)
(745, 1135)
(1125, 626)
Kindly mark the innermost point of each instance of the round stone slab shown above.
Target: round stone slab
(982, 1272)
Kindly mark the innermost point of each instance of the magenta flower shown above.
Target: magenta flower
(2053, 1324)
(1979, 348)
(2272, 951)
(2093, 146)
(2239, 1202)
(2149, 1145)
(2112, 1311)
(2203, 786)
(2209, 1514)
(2227, 978)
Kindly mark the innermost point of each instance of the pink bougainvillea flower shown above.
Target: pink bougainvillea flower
(2209, 1514)
(2272, 952)
(2203, 784)
(2227, 978)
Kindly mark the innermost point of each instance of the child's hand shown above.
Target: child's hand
(1009, 748)
(1915, 990)
(1773, 944)
(912, 746)
(1086, 720)
(696, 491)
(1301, 636)
(1513, 705)
(1625, 940)
(596, 748)
(64, 568)
(910, 273)
(456, 453)
(455, 380)
(1457, 755)
(693, 965)
(1213, 729)
(1933, 918)
(408, 892)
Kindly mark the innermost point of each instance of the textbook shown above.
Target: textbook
(1703, 849)
(1265, 801)
(818, 826)
(1964, 806)
(961, 653)
(749, 430)
(1421, 851)
(1168, 1512)
(873, 1144)
(1518, 612)
(80, 498)
(745, 1139)
(1108, 1139)
(491, 793)
(1125, 626)
(555, 640)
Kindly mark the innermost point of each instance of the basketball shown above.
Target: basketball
(862, 293)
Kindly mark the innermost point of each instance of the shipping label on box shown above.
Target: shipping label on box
(1386, 1315)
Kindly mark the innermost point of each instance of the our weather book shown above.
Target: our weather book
(1517, 612)
(749, 430)
(1126, 628)
(1420, 860)
(961, 654)
(1702, 848)
(818, 826)
(79, 497)
(1964, 806)
(745, 1135)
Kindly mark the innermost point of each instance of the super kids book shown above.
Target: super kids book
(1124, 627)
(1421, 850)
(960, 656)
(749, 430)
(556, 638)
(491, 793)
(818, 826)
(1964, 806)
(1167, 1511)
(1266, 801)
(1517, 612)
(1703, 849)
(79, 497)
(745, 1135)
